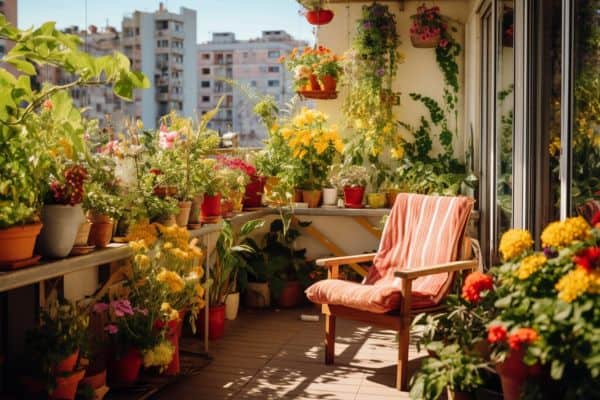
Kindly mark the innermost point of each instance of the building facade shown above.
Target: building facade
(254, 66)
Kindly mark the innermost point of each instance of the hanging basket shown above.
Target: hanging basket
(420, 43)
(317, 94)
(319, 17)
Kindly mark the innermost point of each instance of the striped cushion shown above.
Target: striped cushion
(420, 231)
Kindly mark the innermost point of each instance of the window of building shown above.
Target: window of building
(161, 25)
(274, 54)
(205, 99)
(253, 83)
(98, 107)
(178, 27)
(205, 84)
(274, 68)
(205, 71)
(245, 54)
(273, 83)
(206, 56)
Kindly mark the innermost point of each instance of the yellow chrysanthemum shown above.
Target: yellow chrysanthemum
(138, 245)
(594, 282)
(563, 233)
(143, 230)
(169, 311)
(398, 152)
(573, 285)
(554, 146)
(171, 279)
(514, 242)
(199, 290)
(160, 355)
(529, 265)
(339, 145)
(321, 146)
(142, 260)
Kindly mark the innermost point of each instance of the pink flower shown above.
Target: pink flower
(100, 307)
(163, 128)
(443, 43)
(143, 311)
(111, 329)
(121, 307)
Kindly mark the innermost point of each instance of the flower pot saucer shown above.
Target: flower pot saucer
(119, 239)
(354, 205)
(81, 250)
(11, 265)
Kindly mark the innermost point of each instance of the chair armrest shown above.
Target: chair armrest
(327, 262)
(413, 273)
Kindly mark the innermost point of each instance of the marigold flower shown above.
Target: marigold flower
(563, 233)
(514, 242)
(475, 284)
(588, 258)
(522, 336)
(171, 279)
(573, 284)
(159, 356)
(142, 260)
(497, 333)
(530, 265)
(169, 311)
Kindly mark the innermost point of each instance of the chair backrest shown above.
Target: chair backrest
(421, 230)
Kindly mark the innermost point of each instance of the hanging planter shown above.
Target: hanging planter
(424, 42)
(317, 94)
(428, 28)
(315, 13)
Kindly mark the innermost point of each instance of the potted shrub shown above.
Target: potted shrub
(315, 12)
(314, 145)
(237, 175)
(62, 213)
(53, 349)
(353, 180)
(39, 124)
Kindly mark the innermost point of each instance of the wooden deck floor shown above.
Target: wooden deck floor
(268, 354)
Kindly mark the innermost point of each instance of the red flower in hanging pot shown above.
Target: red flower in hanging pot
(319, 16)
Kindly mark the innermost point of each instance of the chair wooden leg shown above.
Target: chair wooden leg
(402, 370)
(329, 338)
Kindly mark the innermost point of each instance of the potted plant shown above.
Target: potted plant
(314, 145)
(210, 210)
(53, 348)
(428, 28)
(224, 280)
(353, 180)
(315, 13)
(39, 124)
(244, 187)
(62, 213)
(316, 71)
(103, 209)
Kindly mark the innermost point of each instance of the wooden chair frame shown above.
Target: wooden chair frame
(399, 322)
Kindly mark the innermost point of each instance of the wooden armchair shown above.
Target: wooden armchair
(393, 292)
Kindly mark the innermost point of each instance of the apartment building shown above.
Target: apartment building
(252, 64)
(162, 45)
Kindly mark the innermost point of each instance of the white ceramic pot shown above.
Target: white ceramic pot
(329, 196)
(258, 295)
(61, 223)
(232, 306)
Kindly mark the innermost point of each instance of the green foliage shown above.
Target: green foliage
(38, 124)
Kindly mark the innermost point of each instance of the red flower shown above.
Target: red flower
(476, 283)
(496, 333)
(522, 336)
(596, 220)
(588, 258)
(443, 43)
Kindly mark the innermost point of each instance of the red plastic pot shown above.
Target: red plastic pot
(254, 191)
(353, 196)
(514, 373)
(66, 386)
(126, 369)
(173, 332)
(68, 363)
(319, 17)
(291, 295)
(211, 205)
(216, 322)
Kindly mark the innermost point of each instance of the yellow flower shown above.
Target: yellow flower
(554, 146)
(199, 290)
(563, 233)
(169, 311)
(160, 355)
(529, 265)
(138, 245)
(67, 147)
(171, 279)
(168, 246)
(594, 282)
(339, 145)
(286, 132)
(197, 273)
(143, 230)
(142, 260)
(573, 285)
(321, 146)
(514, 242)
(398, 152)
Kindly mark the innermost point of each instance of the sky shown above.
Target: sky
(246, 18)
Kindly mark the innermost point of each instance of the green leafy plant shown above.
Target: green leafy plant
(349, 175)
(38, 124)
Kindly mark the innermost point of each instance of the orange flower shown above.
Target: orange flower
(475, 284)
(496, 333)
(281, 60)
(522, 336)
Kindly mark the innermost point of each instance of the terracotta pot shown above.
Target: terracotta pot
(291, 295)
(254, 191)
(258, 295)
(61, 223)
(68, 363)
(312, 197)
(514, 373)
(297, 195)
(126, 369)
(237, 201)
(211, 205)
(458, 395)
(166, 220)
(391, 197)
(95, 381)
(232, 306)
(329, 196)
(17, 242)
(328, 83)
(164, 191)
(83, 233)
(319, 17)
(353, 196)
(216, 322)
(376, 200)
(195, 210)
(101, 231)
(66, 386)
(182, 218)
(428, 43)
(226, 208)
